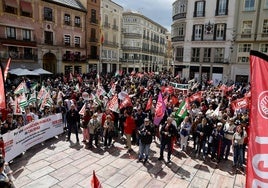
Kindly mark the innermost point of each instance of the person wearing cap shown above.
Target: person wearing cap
(72, 122)
(146, 132)
(215, 140)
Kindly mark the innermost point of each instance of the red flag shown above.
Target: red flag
(196, 97)
(174, 100)
(2, 91)
(240, 103)
(168, 89)
(231, 88)
(126, 102)
(149, 103)
(159, 110)
(257, 171)
(95, 183)
(7, 68)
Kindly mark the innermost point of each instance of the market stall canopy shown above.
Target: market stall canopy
(41, 71)
(23, 72)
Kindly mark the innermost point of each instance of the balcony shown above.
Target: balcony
(177, 38)
(115, 27)
(93, 39)
(17, 42)
(132, 35)
(67, 23)
(106, 25)
(94, 21)
(179, 16)
(73, 57)
(130, 48)
(243, 36)
(111, 44)
(19, 56)
(93, 57)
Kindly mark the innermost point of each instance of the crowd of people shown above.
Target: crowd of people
(211, 123)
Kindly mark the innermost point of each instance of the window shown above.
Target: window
(195, 54)
(219, 55)
(93, 16)
(93, 35)
(67, 19)
(199, 9)
(198, 32)
(13, 52)
(26, 34)
(179, 54)
(207, 54)
(11, 32)
(77, 41)
(266, 4)
(48, 14)
(94, 1)
(264, 48)
(222, 7)
(244, 47)
(243, 59)
(77, 21)
(265, 28)
(220, 31)
(28, 53)
(246, 29)
(249, 5)
(26, 8)
(11, 7)
(48, 37)
(67, 40)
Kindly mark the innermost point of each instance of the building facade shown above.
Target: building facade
(250, 33)
(143, 43)
(111, 22)
(48, 34)
(202, 34)
(93, 33)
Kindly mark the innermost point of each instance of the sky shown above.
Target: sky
(160, 11)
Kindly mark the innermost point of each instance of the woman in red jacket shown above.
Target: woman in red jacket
(129, 127)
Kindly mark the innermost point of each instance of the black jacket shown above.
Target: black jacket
(146, 134)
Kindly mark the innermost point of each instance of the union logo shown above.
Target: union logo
(263, 104)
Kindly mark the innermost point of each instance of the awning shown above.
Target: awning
(26, 6)
(11, 3)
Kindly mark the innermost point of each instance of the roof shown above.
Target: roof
(75, 4)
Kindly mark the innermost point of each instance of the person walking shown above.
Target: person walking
(167, 132)
(72, 122)
(146, 132)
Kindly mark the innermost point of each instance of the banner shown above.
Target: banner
(257, 165)
(160, 109)
(2, 91)
(241, 103)
(21, 139)
(7, 68)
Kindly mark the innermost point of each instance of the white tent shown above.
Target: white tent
(41, 71)
(23, 72)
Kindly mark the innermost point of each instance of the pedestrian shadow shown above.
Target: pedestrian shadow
(201, 167)
(76, 146)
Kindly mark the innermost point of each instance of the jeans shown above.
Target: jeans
(238, 155)
(144, 150)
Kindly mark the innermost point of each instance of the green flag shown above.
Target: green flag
(182, 111)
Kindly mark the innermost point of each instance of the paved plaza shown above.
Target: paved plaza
(60, 164)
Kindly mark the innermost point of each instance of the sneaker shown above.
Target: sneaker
(168, 161)
(125, 147)
(145, 161)
(140, 159)
(196, 155)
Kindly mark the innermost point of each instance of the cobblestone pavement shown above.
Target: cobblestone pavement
(57, 163)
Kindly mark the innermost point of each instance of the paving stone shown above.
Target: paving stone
(44, 182)
(177, 180)
(139, 179)
(61, 163)
(64, 172)
(72, 180)
(198, 183)
(155, 184)
(41, 172)
(37, 165)
(116, 180)
(221, 181)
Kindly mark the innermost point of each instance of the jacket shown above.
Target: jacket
(129, 125)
